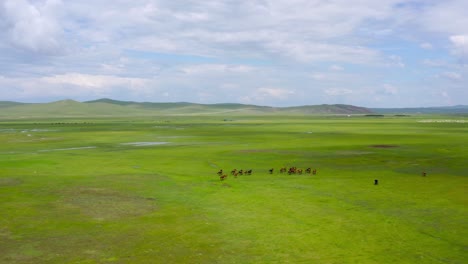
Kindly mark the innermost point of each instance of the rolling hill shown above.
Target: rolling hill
(109, 107)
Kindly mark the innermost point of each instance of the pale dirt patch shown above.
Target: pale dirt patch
(105, 204)
(6, 182)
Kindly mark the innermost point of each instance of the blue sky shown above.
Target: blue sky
(386, 53)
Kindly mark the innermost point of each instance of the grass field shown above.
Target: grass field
(145, 190)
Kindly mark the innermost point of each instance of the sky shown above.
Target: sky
(385, 53)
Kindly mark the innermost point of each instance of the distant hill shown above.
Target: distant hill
(8, 103)
(109, 107)
(328, 109)
(458, 109)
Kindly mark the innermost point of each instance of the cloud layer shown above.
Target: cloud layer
(364, 52)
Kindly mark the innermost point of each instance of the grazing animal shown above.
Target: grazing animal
(424, 174)
(308, 170)
(271, 170)
(376, 182)
(299, 171)
(292, 170)
(249, 172)
(241, 172)
(233, 171)
(282, 170)
(314, 172)
(222, 177)
(220, 172)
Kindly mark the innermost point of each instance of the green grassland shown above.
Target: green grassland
(145, 190)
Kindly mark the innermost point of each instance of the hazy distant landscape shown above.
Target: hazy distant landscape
(109, 107)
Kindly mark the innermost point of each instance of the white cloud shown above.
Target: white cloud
(265, 94)
(454, 76)
(460, 44)
(319, 76)
(274, 92)
(33, 27)
(434, 63)
(426, 46)
(101, 82)
(295, 50)
(74, 85)
(390, 89)
(202, 69)
(447, 17)
(336, 68)
(396, 61)
(337, 91)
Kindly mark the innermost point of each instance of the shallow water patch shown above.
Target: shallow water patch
(144, 144)
(62, 149)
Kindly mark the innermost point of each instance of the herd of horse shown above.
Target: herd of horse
(292, 170)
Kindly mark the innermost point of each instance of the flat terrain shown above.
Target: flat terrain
(146, 190)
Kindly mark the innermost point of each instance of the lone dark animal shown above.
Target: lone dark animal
(220, 172)
(376, 182)
(271, 171)
(424, 174)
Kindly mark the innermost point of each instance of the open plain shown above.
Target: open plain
(146, 190)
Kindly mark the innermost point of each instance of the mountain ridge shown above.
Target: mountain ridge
(111, 107)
